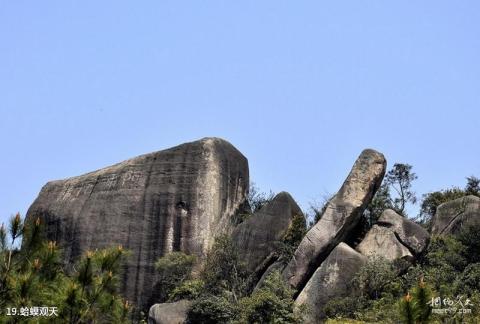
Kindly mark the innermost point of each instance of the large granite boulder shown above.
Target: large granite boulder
(453, 215)
(331, 280)
(409, 233)
(260, 234)
(381, 241)
(178, 199)
(169, 313)
(341, 215)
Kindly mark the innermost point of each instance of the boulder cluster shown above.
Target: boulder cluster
(181, 198)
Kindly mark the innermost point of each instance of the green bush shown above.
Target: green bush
(271, 303)
(223, 270)
(292, 238)
(189, 289)
(376, 278)
(468, 282)
(345, 307)
(173, 269)
(211, 309)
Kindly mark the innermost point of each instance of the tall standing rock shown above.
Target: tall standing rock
(341, 215)
(453, 215)
(178, 199)
(262, 232)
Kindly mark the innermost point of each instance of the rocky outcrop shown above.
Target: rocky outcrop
(178, 199)
(453, 215)
(409, 233)
(394, 237)
(330, 280)
(381, 241)
(341, 215)
(262, 232)
(169, 313)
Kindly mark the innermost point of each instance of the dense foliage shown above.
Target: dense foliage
(173, 269)
(434, 199)
(220, 293)
(391, 292)
(34, 286)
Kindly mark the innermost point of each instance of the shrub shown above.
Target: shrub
(272, 303)
(173, 268)
(292, 238)
(211, 309)
(223, 270)
(189, 289)
(376, 278)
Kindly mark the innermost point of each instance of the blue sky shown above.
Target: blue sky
(299, 87)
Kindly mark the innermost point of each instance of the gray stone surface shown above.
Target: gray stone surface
(261, 233)
(169, 313)
(381, 241)
(409, 233)
(453, 215)
(342, 214)
(329, 281)
(177, 199)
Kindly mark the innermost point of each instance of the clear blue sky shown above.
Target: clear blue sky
(300, 87)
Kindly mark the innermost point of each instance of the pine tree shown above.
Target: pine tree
(406, 310)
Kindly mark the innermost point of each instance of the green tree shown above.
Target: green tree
(473, 186)
(173, 269)
(380, 202)
(223, 271)
(406, 310)
(400, 179)
(292, 238)
(188, 289)
(212, 309)
(34, 276)
(421, 296)
(271, 303)
(376, 278)
(469, 237)
(443, 263)
(432, 200)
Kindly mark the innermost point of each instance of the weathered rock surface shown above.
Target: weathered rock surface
(261, 233)
(341, 215)
(409, 233)
(178, 199)
(330, 280)
(381, 241)
(169, 313)
(453, 215)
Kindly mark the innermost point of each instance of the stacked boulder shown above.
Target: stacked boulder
(394, 237)
(181, 198)
(341, 215)
(322, 264)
